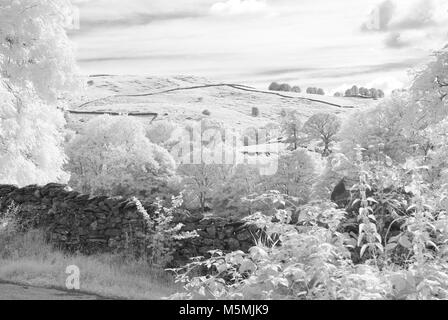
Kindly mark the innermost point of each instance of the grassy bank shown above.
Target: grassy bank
(29, 260)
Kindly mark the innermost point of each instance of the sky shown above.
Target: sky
(323, 43)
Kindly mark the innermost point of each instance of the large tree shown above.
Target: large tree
(37, 69)
(323, 127)
(430, 90)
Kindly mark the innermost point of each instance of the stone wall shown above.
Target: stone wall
(76, 222)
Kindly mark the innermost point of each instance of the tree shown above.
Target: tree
(354, 91)
(37, 70)
(160, 132)
(201, 180)
(337, 94)
(294, 176)
(385, 129)
(323, 127)
(320, 91)
(227, 197)
(430, 89)
(291, 127)
(364, 92)
(296, 89)
(274, 86)
(112, 156)
(284, 87)
(311, 90)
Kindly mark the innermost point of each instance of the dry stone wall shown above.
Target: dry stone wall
(76, 222)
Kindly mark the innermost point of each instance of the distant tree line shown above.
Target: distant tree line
(314, 90)
(287, 88)
(361, 92)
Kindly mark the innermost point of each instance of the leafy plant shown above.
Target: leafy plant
(164, 237)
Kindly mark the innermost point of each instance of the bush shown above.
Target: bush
(206, 113)
(255, 112)
(314, 257)
(165, 235)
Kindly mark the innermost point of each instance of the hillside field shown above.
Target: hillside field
(185, 98)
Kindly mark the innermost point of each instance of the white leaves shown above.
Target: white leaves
(247, 266)
(363, 249)
(113, 155)
(258, 253)
(30, 142)
(391, 246)
(39, 55)
(405, 242)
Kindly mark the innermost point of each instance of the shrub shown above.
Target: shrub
(206, 113)
(255, 112)
(165, 235)
(307, 263)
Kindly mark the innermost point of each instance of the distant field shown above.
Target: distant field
(185, 98)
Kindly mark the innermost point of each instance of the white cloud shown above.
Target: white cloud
(239, 7)
(239, 40)
(387, 84)
(408, 23)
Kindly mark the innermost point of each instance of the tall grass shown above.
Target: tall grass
(28, 259)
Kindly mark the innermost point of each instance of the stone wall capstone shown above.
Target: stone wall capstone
(75, 222)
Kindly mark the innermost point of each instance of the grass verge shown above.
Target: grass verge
(28, 259)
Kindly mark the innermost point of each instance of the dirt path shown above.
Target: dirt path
(11, 291)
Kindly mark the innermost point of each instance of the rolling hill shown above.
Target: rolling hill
(185, 98)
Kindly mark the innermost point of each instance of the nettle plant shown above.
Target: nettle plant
(369, 240)
(293, 262)
(425, 238)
